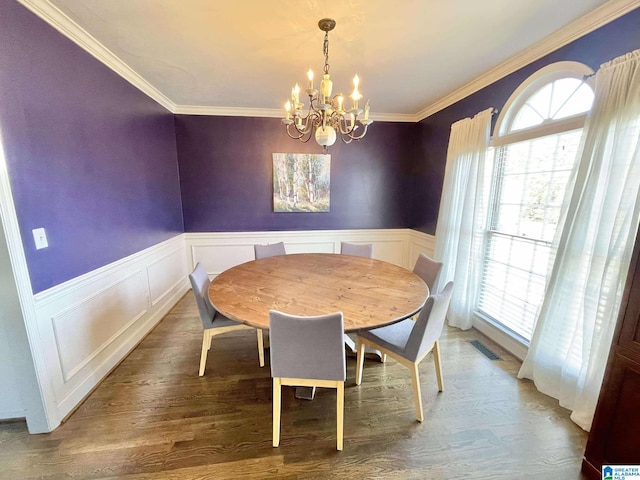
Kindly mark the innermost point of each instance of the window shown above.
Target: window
(536, 145)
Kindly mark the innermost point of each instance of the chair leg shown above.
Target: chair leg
(276, 411)
(340, 414)
(359, 362)
(260, 347)
(206, 343)
(438, 363)
(383, 359)
(417, 397)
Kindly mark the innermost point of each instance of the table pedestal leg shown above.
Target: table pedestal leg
(305, 393)
(351, 345)
(308, 393)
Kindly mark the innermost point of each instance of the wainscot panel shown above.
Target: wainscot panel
(218, 251)
(85, 329)
(90, 323)
(420, 242)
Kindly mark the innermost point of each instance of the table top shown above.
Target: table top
(370, 293)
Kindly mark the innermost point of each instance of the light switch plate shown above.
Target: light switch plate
(40, 237)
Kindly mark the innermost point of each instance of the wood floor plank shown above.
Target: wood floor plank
(154, 418)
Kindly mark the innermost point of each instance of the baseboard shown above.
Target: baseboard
(501, 337)
(8, 416)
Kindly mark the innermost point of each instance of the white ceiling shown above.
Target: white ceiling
(246, 54)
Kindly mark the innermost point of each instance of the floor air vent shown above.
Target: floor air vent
(482, 348)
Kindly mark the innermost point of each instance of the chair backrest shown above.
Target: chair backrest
(427, 269)
(357, 250)
(200, 284)
(264, 251)
(307, 347)
(429, 325)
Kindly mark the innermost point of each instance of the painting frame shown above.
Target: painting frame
(301, 183)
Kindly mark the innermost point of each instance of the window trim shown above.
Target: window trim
(526, 90)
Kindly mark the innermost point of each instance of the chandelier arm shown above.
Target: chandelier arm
(344, 125)
(358, 137)
(300, 136)
(310, 122)
(295, 137)
(346, 139)
(347, 130)
(305, 127)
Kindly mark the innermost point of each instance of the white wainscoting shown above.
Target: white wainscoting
(90, 323)
(218, 251)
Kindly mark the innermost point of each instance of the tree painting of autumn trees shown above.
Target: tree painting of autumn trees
(301, 182)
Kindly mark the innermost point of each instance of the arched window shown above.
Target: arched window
(535, 143)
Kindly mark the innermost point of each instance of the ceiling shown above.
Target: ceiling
(412, 56)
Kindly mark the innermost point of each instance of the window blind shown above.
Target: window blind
(528, 185)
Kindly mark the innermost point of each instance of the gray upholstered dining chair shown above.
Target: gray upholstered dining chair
(271, 250)
(307, 352)
(357, 250)
(409, 342)
(214, 322)
(427, 269)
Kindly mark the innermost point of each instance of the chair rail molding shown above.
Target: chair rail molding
(218, 251)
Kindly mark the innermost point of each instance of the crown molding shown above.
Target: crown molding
(70, 29)
(584, 25)
(227, 111)
(394, 117)
(273, 113)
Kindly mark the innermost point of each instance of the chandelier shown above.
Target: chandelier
(327, 116)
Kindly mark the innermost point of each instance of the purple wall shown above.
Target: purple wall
(602, 45)
(226, 176)
(90, 157)
(95, 161)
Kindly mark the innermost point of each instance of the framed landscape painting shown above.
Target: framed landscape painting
(301, 182)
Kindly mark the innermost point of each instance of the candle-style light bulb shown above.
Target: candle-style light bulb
(356, 94)
(287, 107)
(340, 100)
(366, 111)
(296, 92)
(310, 77)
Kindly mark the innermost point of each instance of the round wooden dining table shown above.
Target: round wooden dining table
(370, 293)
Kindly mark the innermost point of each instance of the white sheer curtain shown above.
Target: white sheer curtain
(460, 230)
(571, 340)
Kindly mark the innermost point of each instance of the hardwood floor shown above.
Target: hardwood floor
(153, 418)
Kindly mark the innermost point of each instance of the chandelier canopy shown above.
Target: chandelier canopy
(327, 116)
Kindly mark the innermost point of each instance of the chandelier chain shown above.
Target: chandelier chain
(326, 52)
